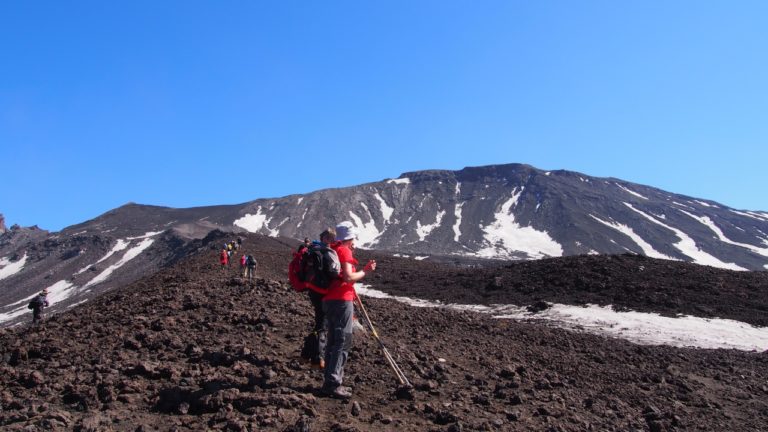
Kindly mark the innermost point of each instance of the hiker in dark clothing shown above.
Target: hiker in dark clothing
(314, 344)
(250, 267)
(37, 304)
(339, 309)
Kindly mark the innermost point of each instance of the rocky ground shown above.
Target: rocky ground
(194, 347)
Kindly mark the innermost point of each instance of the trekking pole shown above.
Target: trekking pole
(398, 372)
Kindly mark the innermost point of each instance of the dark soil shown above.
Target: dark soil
(194, 347)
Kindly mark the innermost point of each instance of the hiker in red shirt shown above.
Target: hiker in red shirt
(338, 307)
(224, 258)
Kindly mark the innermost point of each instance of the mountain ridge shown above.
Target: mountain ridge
(508, 212)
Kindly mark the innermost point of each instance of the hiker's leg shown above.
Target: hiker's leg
(319, 327)
(339, 314)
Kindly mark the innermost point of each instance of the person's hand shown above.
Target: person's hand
(371, 266)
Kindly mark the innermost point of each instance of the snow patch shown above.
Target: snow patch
(256, 222)
(367, 233)
(629, 191)
(8, 268)
(706, 221)
(505, 235)
(647, 248)
(457, 213)
(419, 258)
(688, 247)
(637, 327)
(386, 211)
(298, 201)
(60, 291)
(404, 180)
(129, 255)
(424, 230)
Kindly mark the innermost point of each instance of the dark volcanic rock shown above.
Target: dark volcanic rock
(139, 358)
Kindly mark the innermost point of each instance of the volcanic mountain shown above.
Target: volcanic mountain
(502, 212)
(195, 347)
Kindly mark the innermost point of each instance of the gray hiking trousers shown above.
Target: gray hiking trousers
(338, 316)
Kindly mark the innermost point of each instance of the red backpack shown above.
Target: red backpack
(294, 269)
(314, 268)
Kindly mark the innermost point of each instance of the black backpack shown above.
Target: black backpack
(319, 266)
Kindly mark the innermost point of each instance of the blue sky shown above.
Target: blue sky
(190, 103)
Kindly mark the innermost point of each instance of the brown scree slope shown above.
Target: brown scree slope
(194, 347)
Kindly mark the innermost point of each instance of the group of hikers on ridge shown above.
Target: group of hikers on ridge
(247, 261)
(327, 270)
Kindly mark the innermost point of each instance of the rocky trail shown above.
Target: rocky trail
(194, 347)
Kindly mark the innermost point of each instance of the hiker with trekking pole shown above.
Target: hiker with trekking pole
(339, 307)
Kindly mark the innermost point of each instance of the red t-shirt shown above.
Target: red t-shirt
(340, 290)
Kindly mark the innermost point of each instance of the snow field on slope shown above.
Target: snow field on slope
(637, 327)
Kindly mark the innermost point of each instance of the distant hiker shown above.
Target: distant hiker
(250, 267)
(304, 245)
(313, 349)
(338, 308)
(37, 304)
(224, 258)
(239, 242)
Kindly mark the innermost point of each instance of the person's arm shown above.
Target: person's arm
(353, 276)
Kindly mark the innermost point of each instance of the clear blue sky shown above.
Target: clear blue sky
(191, 103)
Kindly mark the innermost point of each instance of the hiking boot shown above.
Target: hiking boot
(318, 364)
(339, 392)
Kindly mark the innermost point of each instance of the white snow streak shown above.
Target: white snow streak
(367, 233)
(129, 255)
(704, 203)
(424, 230)
(419, 258)
(299, 200)
(752, 215)
(647, 248)
(303, 215)
(147, 235)
(386, 211)
(636, 327)
(405, 180)
(681, 204)
(631, 191)
(457, 213)
(59, 291)
(705, 220)
(8, 268)
(688, 247)
(504, 235)
(120, 245)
